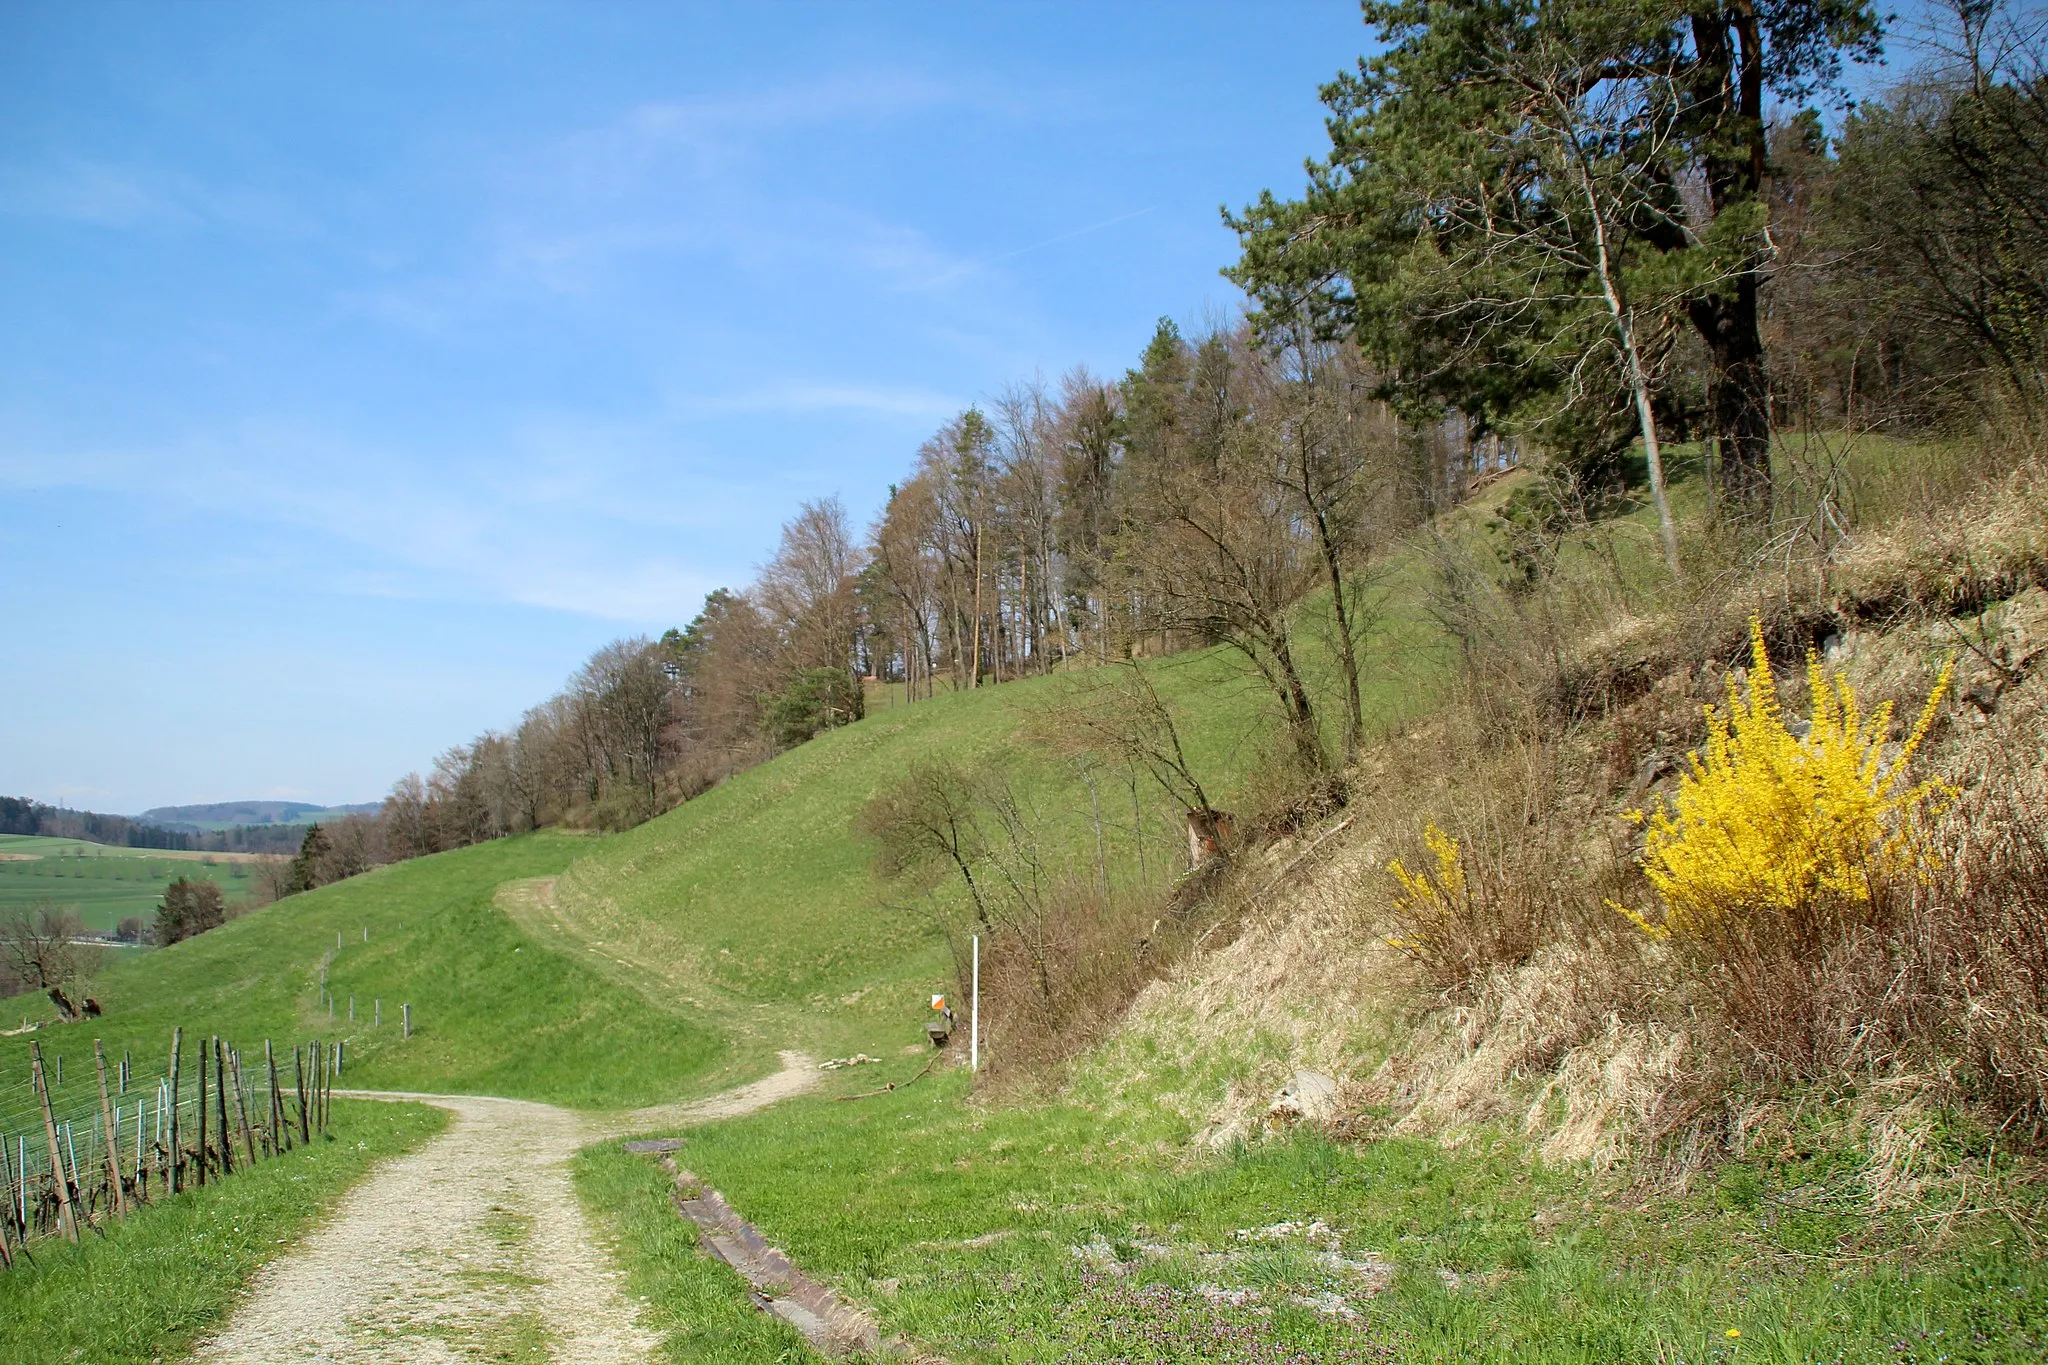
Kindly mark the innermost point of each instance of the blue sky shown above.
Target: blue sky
(364, 367)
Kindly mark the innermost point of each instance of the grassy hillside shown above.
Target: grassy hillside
(494, 1012)
(678, 956)
(743, 922)
(103, 883)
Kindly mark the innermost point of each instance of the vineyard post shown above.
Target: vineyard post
(113, 1134)
(202, 1114)
(82, 1202)
(276, 1104)
(7, 1165)
(177, 1154)
(64, 1215)
(6, 1253)
(220, 1107)
(242, 1110)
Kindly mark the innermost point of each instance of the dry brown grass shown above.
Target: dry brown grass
(1055, 979)
(1954, 560)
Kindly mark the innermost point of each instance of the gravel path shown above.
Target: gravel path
(474, 1248)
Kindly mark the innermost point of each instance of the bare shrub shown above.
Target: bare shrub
(1062, 952)
(1060, 979)
(1977, 930)
(42, 947)
(1464, 911)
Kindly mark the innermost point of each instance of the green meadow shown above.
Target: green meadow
(1042, 1231)
(103, 883)
(1080, 1224)
(493, 1012)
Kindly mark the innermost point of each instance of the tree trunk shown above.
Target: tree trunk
(974, 666)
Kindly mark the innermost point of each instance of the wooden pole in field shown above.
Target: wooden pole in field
(299, 1083)
(6, 1223)
(405, 1012)
(64, 1214)
(13, 1201)
(227, 1134)
(202, 1115)
(276, 1104)
(177, 1153)
(113, 1134)
(82, 1198)
(241, 1110)
(8, 1226)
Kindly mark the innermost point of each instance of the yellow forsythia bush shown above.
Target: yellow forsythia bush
(1428, 898)
(1769, 821)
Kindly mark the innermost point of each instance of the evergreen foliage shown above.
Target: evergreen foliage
(190, 906)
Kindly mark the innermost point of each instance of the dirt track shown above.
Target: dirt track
(473, 1248)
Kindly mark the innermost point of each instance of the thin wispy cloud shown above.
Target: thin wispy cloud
(98, 193)
(444, 346)
(800, 396)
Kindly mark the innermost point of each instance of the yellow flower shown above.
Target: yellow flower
(1734, 1332)
(1768, 821)
(1428, 897)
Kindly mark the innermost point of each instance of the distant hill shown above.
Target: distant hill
(217, 815)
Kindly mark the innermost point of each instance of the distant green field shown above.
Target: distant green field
(104, 883)
(493, 1011)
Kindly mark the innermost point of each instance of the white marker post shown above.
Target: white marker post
(974, 1013)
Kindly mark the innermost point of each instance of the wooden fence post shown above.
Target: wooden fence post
(99, 1058)
(241, 1110)
(202, 1114)
(64, 1215)
(276, 1102)
(405, 1013)
(6, 1223)
(299, 1083)
(220, 1107)
(13, 1200)
(177, 1154)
